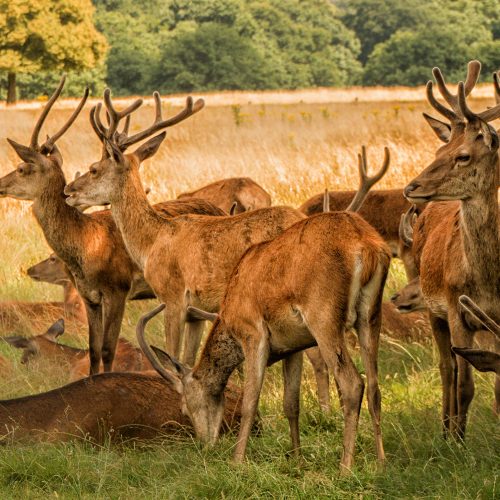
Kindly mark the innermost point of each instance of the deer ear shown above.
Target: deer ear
(18, 341)
(484, 361)
(441, 129)
(114, 152)
(150, 147)
(55, 330)
(487, 134)
(169, 361)
(26, 154)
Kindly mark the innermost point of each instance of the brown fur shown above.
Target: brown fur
(409, 298)
(242, 192)
(116, 405)
(457, 244)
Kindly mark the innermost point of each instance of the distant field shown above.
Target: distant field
(295, 144)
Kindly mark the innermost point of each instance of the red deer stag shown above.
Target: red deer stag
(303, 288)
(484, 361)
(186, 260)
(116, 405)
(90, 245)
(457, 245)
(235, 195)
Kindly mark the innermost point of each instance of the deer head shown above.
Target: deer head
(409, 298)
(467, 164)
(39, 162)
(51, 270)
(101, 184)
(31, 345)
(203, 406)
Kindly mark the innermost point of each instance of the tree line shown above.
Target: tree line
(196, 45)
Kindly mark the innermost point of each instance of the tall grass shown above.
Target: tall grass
(294, 150)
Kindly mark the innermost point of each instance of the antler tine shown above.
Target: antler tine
(496, 86)
(49, 143)
(326, 201)
(462, 102)
(114, 115)
(448, 113)
(406, 226)
(45, 112)
(473, 71)
(472, 308)
(189, 110)
(367, 182)
(95, 121)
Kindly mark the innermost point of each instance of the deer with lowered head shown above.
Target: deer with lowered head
(187, 260)
(90, 245)
(234, 195)
(457, 241)
(304, 288)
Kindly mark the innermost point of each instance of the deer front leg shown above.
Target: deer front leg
(192, 340)
(256, 356)
(113, 309)
(175, 321)
(94, 317)
(322, 378)
(292, 376)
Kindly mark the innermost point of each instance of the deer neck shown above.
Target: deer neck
(220, 356)
(60, 223)
(136, 219)
(481, 237)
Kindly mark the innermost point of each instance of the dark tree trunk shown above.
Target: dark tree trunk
(11, 88)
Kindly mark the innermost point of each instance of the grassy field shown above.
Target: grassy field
(294, 149)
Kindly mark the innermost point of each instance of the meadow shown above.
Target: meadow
(294, 145)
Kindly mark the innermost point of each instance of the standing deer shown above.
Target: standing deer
(90, 245)
(235, 195)
(305, 287)
(457, 245)
(187, 260)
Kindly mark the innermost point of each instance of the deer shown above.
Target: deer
(382, 208)
(305, 287)
(484, 361)
(90, 245)
(47, 346)
(234, 195)
(409, 299)
(186, 260)
(120, 406)
(457, 237)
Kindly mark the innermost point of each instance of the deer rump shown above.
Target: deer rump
(111, 406)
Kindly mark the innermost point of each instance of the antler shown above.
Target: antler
(326, 201)
(496, 86)
(486, 116)
(474, 310)
(366, 182)
(406, 226)
(47, 146)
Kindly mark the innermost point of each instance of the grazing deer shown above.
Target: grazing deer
(46, 346)
(409, 298)
(457, 243)
(116, 405)
(90, 245)
(484, 361)
(236, 195)
(305, 287)
(187, 260)
(381, 208)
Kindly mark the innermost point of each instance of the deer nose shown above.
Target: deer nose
(410, 188)
(69, 189)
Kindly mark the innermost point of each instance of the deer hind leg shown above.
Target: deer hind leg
(94, 317)
(441, 334)
(322, 378)
(292, 376)
(368, 323)
(114, 307)
(461, 337)
(256, 357)
(192, 341)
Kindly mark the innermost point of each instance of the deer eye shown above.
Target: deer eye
(462, 159)
(93, 171)
(20, 170)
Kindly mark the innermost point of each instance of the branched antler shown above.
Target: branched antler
(475, 311)
(365, 181)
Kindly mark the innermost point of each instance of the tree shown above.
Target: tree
(47, 35)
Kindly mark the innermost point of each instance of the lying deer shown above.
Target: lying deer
(457, 243)
(90, 245)
(186, 260)
(235, 195)
(409, 299)
(484, 361)
(305, 287)
(382, 209)
(46, 346)
(116, 405)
